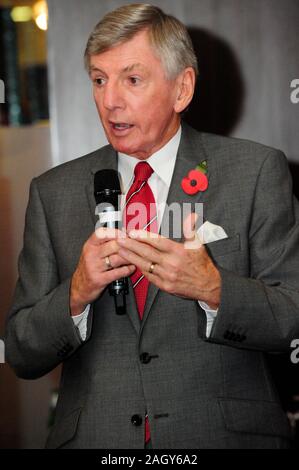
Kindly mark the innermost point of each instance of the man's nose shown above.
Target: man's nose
(113, 97)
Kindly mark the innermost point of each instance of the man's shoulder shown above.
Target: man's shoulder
(78, 169)
(231, 149)
(233, 155)
(242, 147)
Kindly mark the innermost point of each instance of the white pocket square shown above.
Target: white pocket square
(209, 233)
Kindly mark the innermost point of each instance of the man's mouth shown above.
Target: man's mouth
(120, 126)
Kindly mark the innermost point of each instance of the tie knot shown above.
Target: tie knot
(143, 171)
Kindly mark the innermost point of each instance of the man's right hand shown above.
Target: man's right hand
(92, 275)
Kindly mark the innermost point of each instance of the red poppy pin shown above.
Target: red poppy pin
(196, 180)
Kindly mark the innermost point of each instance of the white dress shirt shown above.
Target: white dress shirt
(163, 163)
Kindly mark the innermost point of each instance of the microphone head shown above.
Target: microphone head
(107, 187)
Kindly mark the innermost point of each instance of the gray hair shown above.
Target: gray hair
(168, 36)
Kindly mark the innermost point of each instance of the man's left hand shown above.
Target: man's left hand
(177, 268)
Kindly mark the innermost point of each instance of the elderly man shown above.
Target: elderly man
(186, 367)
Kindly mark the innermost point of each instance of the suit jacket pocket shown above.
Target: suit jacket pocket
(225, 246)
(255, 417)
(64, 431)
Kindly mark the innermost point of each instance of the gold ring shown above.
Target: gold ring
(152, 267)
(108, 264)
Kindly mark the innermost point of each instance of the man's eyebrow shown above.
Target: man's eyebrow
(92, 68)
(129, 68)
(132, 67)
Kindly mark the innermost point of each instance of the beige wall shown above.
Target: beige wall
(24, 153)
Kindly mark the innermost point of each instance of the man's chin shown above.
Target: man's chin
(123, 147)
(126, 146)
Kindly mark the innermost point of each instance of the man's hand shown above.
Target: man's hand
(92, 274)
(182, 269)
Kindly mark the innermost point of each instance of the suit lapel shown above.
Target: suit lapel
(191, 152)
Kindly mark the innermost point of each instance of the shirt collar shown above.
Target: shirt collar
(162, 162)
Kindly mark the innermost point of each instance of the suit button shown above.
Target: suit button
(136, 420)
(145, 358)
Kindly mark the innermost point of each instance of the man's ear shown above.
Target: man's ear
(186, 85)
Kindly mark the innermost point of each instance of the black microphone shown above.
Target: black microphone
(107, 194)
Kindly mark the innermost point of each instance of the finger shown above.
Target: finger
(102, 235)
(192, 240)
(133, 259)
(154, 239)
(189, 226)
(142, 249)
(109, 248)
(115, 261)
(157, 272)
(155, 279)
(144, 265)
(118, 273)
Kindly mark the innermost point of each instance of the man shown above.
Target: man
(186, 367)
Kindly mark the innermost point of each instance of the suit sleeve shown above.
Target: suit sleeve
(40, 332)
(261, 312)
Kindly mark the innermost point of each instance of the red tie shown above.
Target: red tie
(141, 214)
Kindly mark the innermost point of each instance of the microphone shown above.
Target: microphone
(107, 194)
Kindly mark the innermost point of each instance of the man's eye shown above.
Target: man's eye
(134, 80)
(98, 81)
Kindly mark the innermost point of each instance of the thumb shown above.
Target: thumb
(192, 240)
(189, 226)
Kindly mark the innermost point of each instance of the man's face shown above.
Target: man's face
(135, 101)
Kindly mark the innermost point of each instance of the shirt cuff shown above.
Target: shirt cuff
(211, 315)
(80, 322)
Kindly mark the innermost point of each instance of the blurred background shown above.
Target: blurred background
(248, 53)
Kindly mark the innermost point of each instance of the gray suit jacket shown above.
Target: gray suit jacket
(198, 392)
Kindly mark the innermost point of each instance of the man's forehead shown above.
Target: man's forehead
(134, 53)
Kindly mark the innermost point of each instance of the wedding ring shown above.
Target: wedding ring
(152, 267)
(108, 264)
